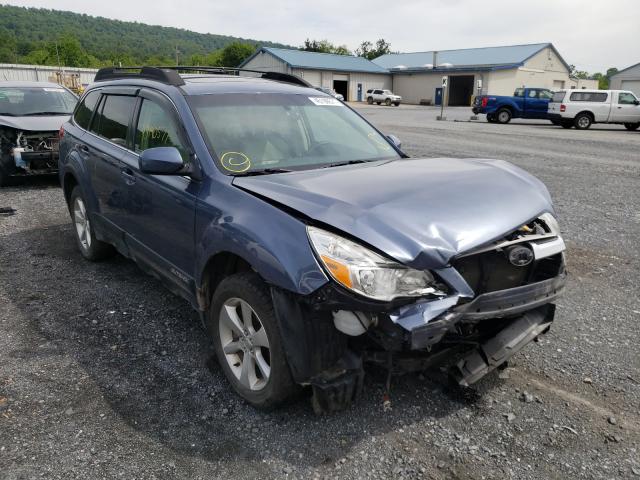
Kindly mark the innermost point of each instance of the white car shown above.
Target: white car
(379, 96)
(581, 108)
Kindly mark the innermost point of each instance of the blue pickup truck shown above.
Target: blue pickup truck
(525, 103)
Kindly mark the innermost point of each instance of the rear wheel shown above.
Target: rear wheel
(370, 100)
(90, 247)
(632, 126)
(247, 341)
(387, 102)
(503, 115)
(582, 121)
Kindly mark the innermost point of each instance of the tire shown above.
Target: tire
(396, 104)
(247, 295)
(503, 115)
(632, 126)
(370, 100)
(582, 121)
(90, 247)
(387, 102)
(378, 103)
(566, 124)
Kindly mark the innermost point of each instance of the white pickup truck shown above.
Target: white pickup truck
(582, 108)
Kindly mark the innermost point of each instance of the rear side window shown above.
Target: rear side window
(112, 122)
(558, 97)
(546, 94)
(85, 109)
(588, 97)
(519, 92)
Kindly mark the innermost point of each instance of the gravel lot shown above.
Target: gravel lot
(104, 374)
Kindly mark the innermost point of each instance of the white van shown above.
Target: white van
(581, 108)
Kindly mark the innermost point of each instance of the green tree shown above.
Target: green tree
(370, 51)
(324, 46)
(8, 46)
(235, 53)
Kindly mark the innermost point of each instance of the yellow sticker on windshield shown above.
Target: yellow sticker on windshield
(235, 162)
(376, 138)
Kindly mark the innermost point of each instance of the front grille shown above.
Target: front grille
(491, 271)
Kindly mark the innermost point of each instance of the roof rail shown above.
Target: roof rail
(159, 74)
(170, 75)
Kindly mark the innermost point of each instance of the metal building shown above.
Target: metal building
(348, 75)
(42, 73)
(495, 70)
(627, 79)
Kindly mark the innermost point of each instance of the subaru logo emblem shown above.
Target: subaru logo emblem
(520, 255)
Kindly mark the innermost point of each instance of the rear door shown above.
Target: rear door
(104, 146)
(160, 209)
(625, 108)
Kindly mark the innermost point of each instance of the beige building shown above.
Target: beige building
(348, 75)
(494, 70)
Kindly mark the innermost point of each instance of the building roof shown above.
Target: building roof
(624, 70)
(320, 61)
(488, 58)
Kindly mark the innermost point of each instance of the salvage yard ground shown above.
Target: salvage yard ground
(104, 374)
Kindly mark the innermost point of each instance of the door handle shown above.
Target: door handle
(128, 175)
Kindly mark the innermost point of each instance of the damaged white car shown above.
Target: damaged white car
(31, 114)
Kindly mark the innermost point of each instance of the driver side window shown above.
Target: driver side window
(157, 128)
(626, 99)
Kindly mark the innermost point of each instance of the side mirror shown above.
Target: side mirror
(395, 140)
(161, 161)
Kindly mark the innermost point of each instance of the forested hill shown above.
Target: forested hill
(29, 35)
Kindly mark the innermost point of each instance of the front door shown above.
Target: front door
(160, 209)
(625, 108)
(537, 103)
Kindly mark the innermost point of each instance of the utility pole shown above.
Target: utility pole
(177, 58)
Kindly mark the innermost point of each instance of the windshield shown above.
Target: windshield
(24, 101)
(252, 132)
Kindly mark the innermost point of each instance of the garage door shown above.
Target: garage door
(633, 85)
(312, 77)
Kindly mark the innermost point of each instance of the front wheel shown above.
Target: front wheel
(503, 116)
(370, 101)
(90, 247)
(387, 102)
(247, 341)
(632, 126)
(582, 121)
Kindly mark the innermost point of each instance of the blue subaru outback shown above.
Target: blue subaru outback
(309, 243)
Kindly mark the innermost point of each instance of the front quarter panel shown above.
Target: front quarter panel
(272, 241)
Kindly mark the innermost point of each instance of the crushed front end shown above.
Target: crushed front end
(28, 152)
(480, 309)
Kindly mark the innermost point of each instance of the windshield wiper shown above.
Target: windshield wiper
(263, 171)
(349, 162)
(35, 114)
(7, 114)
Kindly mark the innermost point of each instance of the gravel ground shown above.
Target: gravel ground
(104, 374)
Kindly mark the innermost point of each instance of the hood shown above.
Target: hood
(35, 124)
(421, 212)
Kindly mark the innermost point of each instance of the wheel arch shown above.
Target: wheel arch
(587, 112)
(218, 267)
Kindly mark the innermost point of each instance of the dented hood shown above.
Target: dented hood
(421, 212)
(49, 123)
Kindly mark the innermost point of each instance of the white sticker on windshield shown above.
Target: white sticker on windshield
(53, 89)
(326, 101)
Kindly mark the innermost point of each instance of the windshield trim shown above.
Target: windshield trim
(216, 160)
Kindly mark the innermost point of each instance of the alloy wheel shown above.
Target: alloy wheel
(245, 344)
(81, 221)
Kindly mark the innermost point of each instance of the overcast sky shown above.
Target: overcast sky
(592, 34)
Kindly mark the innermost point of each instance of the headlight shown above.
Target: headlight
(363, 271)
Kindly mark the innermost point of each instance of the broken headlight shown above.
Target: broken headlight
(367, 273)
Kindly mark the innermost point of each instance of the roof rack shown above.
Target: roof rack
(170, 75)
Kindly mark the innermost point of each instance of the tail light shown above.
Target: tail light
(563, 107)
(485, 100)
(61, 132)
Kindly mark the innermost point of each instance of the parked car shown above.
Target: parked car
(383, 96)
(582, 108)
(332, 92)
(306, 239)
(31, 114)
(525, 103)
